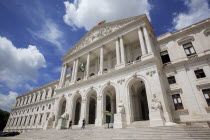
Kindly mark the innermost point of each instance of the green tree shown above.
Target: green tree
(4, 115)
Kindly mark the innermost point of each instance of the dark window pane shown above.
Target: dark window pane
(200, 73)
(189, 49)
(206, 93)
(177, 102)
(171, 80)
(165, 57)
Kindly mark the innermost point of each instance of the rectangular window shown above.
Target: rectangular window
(35, 119)
(171, 80)
(206, 93)
(189, 49)
(29, 120)
(47, 116)
(165, 57)
(177, 101)
(40, 121)
(25, 121)
(199, 73)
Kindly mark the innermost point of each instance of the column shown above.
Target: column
(122, 50)
(63, 75)
(49, 92)
(117, 52)
(34, 98)
(76, 70)
(73, 71)
(25, 100)
(141, 40)
(109, 60)
(29, 100)
(101, 60)
(88, 65)
(147, 40)
(112, 110)
(43, 94)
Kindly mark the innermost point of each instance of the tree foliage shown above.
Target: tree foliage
(4, 115)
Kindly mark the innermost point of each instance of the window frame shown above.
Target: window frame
(162, 55)
(205, 96)
(189, 49)
(197, 75)
(170, 80)
(178, 105)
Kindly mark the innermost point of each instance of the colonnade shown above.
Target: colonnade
(145, 41)
(35, 97)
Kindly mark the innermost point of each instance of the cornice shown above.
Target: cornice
(185, 62)
(182, 31)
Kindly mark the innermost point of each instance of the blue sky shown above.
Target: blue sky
(35, 34)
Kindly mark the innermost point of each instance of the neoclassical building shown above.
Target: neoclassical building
(119, 72)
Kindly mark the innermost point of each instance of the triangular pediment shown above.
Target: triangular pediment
(100, 31)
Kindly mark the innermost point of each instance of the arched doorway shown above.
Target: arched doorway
(91, 107)
(109, 104)
(138, 100)
(77, 109)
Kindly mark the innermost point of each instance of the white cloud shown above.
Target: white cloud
(87, 13)
(18, 64)
(8, 101)
(197, 10)
(51, 33)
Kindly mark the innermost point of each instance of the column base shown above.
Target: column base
(119, 120)
(120, 66)
(156, 119)
(147, 56)
(61, 124)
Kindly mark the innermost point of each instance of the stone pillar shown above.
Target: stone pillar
(117, 52)
(101, 60)
(122, 50)
(73, 71)
(112, 110)
(109, 60)
(43, 94)
(49, 92)
(88, 65)
(147, 40)
(63, 75)
(82, 112)
(25, 100)
(76, 70)
(142, 43)
(99, 115)
(33, 98)
(29, 100)
(22, 100)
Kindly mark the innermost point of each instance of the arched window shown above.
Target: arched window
(37, 109)
(43, 108)
(49, 106)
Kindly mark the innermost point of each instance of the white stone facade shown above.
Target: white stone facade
(124, 79)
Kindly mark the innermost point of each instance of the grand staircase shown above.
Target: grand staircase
(137, 131)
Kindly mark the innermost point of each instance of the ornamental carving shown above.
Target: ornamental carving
(207, 32)
(121, 81)
(156, 103)
(150, 73)
(99, 97)
(96, 35)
